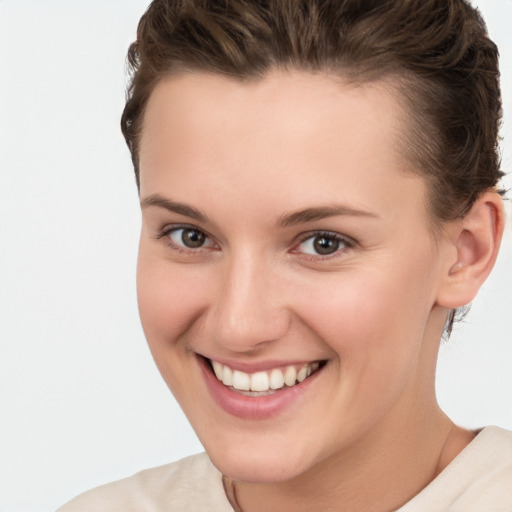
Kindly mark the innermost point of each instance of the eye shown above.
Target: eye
(188, 237)
(324, 244)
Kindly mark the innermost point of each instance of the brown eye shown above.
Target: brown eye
(325, 245)
(190, 238)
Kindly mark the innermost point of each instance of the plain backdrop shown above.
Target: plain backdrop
(81, 402)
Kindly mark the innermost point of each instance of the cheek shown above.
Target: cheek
(169, 297)
(170, 301)
(373, 321)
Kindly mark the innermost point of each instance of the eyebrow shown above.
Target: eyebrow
(287, 220)
(173, 206)
(319, 213)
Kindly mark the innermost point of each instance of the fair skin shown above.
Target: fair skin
(309, 243)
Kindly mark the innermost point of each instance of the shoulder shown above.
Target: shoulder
(479, 478)
(191, 484)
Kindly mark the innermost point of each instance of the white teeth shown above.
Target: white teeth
(276, 379)
(241, 380)
(259, 381)
(302, 373)
(227, 376)
(290, 376)
(218, 369)
(256, 393)
(263, 381)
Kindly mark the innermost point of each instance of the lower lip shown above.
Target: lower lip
(250, 407)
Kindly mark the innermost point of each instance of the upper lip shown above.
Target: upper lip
(258, 366)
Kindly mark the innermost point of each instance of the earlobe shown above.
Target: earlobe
(477, 240)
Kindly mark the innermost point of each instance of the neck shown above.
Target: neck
(366, 476)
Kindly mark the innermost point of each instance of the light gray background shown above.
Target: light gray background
(81, 402)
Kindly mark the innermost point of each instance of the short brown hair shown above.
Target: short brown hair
(437, 52)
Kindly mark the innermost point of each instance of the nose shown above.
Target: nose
(249, 310)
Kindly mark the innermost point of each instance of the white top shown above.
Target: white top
(479, 479)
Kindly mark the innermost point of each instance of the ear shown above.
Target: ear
(476, 240)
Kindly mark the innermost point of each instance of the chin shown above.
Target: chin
(257, 467)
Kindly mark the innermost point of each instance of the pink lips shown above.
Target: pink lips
(250, 407)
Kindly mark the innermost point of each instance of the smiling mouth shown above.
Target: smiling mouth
(264, 383)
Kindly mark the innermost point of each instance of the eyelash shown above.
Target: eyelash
(346, 242)
(182, 249)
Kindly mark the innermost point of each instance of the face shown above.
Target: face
(287, 272)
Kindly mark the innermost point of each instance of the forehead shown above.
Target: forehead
(300, 131)
(294, 103)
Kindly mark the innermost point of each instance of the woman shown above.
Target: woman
(319, 185)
